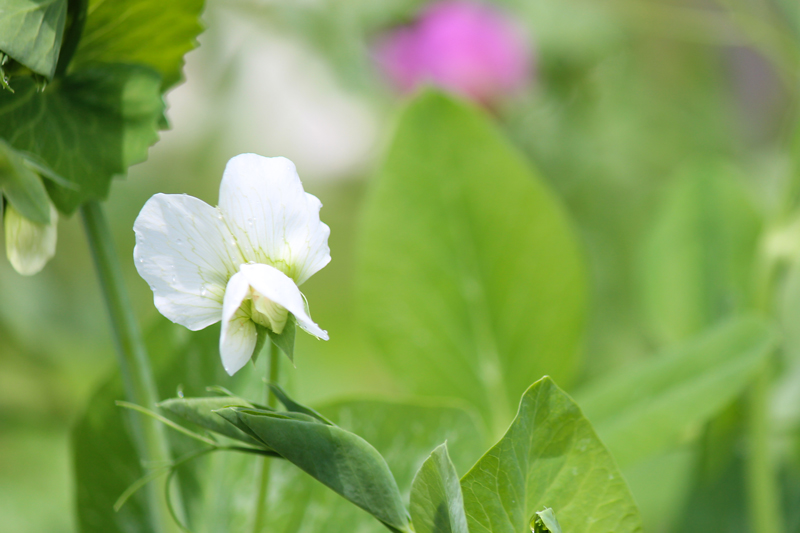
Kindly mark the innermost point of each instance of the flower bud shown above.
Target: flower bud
(29, 246)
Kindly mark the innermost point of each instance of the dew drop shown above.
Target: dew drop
(179, 242)
(141, 260)
(203, 290)
(174, 279)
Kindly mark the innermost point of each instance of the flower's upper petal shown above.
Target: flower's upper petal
(237, 341)
(278, 287)
(29, 246)
(186, 253)
(274, 221)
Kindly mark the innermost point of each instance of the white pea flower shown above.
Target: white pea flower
(241, 262)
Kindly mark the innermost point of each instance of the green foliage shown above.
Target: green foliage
(550, 457)
(22, 186)
(651, 407)
(471, 281)
(200, 411)
(437, 505)
(87, 126)
(31, 32)
(546, 522)
(341, 460)
(285, 340)
(697, 263)
(149, 32)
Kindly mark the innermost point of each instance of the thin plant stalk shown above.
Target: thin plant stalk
(148, 435)
(273, 372)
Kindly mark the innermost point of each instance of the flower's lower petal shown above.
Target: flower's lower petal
(278, 287)
(274, 221)
(237, 341)
(29, 246)
(186, 253)
(235, 293)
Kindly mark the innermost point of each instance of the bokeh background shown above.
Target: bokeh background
(619, 99)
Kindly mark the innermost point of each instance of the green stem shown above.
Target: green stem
(273, 370)
(148, 435)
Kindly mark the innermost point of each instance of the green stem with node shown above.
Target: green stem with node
(273, 370)
(148, 435)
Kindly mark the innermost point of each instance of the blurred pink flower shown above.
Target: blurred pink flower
(466, 47)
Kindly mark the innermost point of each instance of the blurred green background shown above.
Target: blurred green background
(633, 104)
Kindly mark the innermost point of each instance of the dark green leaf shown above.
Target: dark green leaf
(436, 502)
(87, 127)
(292, 405)
(550, 457)
(200, 411)
(31, 32)
(697, 264)
(472, 282)
(285, 341)
(341, 460)
(22, 186)
(650, 407)
(149, 32)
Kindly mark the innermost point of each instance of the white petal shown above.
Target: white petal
(278, 287)
(186, 253)
(29, 246)
(237, 341)
(274, 221)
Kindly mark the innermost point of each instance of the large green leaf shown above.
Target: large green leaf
(22, 186)
(31, 32)
(471, 280)
(550, 457)
(337, 458)
(87, 127)
(403, 433)
(149, 32)
(437, 505)
(650, 407)
(697, 261)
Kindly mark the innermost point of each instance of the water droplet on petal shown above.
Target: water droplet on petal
(174, 279)
(203, 290)
(179, 242)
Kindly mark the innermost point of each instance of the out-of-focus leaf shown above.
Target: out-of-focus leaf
(200, 411)
(471, 280)
(437, 505)
(339, 459)
(550, 457)
(88, 127)
(31, 32)
(546, 522)
(149, 32)
(697, 262)
(650, 407)
(403, 433)
(22, 186)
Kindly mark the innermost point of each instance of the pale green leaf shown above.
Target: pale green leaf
(651, 407)
(472, 283)
(31, 32)
(200, 411)
(550, 457)
(22, 186)
(697, 262)
(437, 505)
(148, 32)
(87, 127)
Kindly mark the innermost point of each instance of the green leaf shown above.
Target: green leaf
(550, 457)
(200, 411)
(285, 340)
(293, 406)
(652, 406)
(22, 186)
(88, 127)
(403, 433)
(471, 280)
(697, 263)
(341, 460)
(437, 505)
(31, 32)
(148, 32)
(546, 521)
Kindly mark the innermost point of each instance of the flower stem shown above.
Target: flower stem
(273, 371)
(148, 435)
